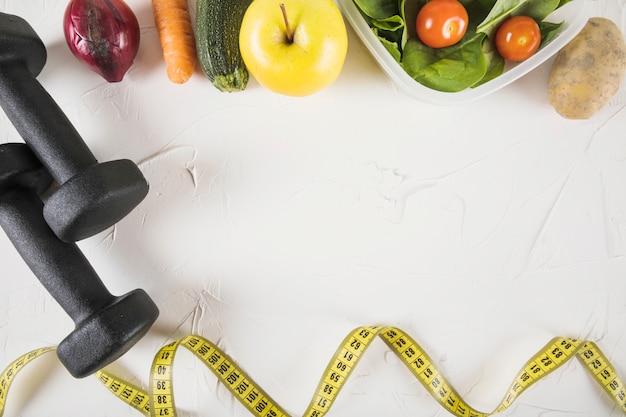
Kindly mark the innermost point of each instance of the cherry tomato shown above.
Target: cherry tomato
(518, 38)
(441, 23)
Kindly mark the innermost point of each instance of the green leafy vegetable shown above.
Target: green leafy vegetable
(378, 9)
(391, 47)
(449, 69)
(500, 11)
(548, 31)
(539, 9)
(495, 64)
(471, 62)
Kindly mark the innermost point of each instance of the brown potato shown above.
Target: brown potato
(588, 71)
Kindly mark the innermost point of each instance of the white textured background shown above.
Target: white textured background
(276, 225)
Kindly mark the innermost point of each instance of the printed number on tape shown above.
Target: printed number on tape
(158, 399)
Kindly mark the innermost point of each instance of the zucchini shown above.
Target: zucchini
(217, 42)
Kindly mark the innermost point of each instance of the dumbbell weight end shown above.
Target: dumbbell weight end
(95, 199)
(107, 334)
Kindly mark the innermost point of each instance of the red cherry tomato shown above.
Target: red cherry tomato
(518, 38)
(441, 23)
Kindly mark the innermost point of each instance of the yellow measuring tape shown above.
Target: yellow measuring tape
(158, 400)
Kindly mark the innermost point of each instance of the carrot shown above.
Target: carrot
(173, 25)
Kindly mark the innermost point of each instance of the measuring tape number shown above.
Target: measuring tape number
(158, 400)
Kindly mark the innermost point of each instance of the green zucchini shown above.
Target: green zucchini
(217, 42)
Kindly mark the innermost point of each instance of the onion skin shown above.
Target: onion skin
(103, 34)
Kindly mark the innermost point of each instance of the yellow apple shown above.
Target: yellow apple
(293, 47)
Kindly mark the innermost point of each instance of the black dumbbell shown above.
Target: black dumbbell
(106, 326)
(91, 197)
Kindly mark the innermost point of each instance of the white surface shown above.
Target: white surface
(276, 225)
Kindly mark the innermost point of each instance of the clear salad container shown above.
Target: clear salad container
(574, 16)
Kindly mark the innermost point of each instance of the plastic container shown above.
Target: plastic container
(573, 14)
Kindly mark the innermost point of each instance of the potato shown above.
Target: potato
(588, 71)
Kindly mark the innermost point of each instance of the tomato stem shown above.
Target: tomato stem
(287, 28)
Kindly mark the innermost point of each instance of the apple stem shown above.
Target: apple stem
(287, 28)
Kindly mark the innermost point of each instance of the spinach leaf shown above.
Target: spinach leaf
(477, 12)
(405, 31)
(391, 40)
(383, 18)
(392, 47)
(548, 31)
(378, 9)
(390, 32)
(450, 69)
(538, 9)
(499, 12)
(494, 61)
(487, 4)
(502, 9)
(390, 24)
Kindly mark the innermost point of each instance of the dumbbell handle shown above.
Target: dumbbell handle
(61, 267)
(41, 123)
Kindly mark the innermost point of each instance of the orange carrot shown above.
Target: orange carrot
(173, 24)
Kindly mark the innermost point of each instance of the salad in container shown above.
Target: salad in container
(470, 68)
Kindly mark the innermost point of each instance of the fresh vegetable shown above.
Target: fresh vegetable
(177, 39)
(441, 23)
(472, 61)
(103, 34)
(218, 23)
(588, 71)
(518, 38)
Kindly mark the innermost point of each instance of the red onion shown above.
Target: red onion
(103, 34)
